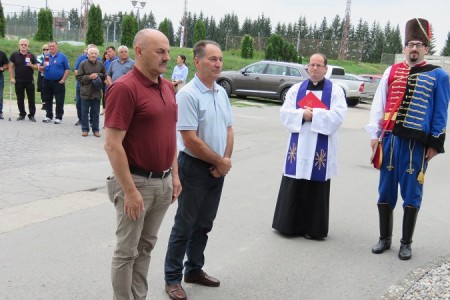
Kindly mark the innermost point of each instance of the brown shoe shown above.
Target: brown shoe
(97, 134)
(203, 279)
(176, 292)
(85, 134)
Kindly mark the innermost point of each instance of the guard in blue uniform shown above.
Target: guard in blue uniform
(411, 105)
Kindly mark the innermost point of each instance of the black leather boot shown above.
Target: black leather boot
(409, 223)
(386, 220)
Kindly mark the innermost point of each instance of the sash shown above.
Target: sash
(318, 172)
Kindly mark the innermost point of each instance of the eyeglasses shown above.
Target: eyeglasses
(417, 45)
(315, 65)
(44, 49)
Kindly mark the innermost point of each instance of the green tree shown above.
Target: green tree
(280, 50)
(247, 26)
(211, 28)
(166, 27)
(378, 42)
(148, 21)
(432, 44)
(247, 47)
(228, 27)
(129, 30)
(45, 26)
(74, 19)
(199, 31)
(94, 33)
(446, 50)
(2, 22)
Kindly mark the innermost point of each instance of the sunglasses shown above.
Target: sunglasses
(44, 49)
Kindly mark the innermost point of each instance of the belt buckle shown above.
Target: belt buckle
(164, 173)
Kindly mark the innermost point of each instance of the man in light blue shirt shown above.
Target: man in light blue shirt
(205, 140)
(119, 67)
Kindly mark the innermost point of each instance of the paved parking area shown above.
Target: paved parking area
(57, 226)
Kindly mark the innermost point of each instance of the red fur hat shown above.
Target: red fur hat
(418, 29)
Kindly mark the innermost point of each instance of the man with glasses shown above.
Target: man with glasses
(21, 73)
(410, 108)
(313, 112)
(205, 139)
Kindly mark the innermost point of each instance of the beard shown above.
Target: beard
(413, 56)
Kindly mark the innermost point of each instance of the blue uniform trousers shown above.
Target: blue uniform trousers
(402, 162)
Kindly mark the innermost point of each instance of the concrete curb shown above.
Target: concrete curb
(399, 289)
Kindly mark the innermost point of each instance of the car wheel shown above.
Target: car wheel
(283, 95)
(351, 102)
(226, 85)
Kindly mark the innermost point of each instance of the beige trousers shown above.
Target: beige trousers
(136, 239)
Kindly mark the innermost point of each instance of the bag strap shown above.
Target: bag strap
(394, 109)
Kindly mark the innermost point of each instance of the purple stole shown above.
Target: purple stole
(319, 170)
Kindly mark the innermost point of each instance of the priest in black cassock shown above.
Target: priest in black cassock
(312, 113)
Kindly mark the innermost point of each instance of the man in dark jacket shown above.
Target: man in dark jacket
(91, 74)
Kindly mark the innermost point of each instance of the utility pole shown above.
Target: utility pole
(184, 29)
(84, 12)
(344, 41)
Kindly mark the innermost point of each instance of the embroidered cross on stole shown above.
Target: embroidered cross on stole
(319, 169)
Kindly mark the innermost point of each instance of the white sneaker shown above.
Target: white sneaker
(57, 121)
(47, 120)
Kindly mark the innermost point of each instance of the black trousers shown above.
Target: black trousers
(52, 88)
(21, 87)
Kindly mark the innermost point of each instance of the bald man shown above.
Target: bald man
(140, 140)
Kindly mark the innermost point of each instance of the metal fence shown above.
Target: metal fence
(24, 31)
(307, 47)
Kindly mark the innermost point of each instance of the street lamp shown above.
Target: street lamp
(298, 37)
(116, 19)
(135, 5)
(107, 23)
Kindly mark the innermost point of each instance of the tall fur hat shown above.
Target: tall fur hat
(418, 29)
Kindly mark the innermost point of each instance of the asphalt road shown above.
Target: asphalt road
(57, 226)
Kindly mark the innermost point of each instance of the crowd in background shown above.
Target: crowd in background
(53, 68)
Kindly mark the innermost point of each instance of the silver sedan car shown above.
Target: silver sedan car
(265, 79)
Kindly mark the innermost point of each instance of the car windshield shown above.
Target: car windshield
(256, 68)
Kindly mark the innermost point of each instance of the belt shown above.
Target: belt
(53, 80)
(143, 173)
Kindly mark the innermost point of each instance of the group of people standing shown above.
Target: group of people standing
(167, 141)
(53, 69)
(147, 122)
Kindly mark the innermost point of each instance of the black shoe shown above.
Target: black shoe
(311, 237)
(32, 119)
(78, 123)
(405, 252)
(20, 118)
(43, 107)
(1, 116)
(382, 245)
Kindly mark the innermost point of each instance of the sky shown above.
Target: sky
(283, 11)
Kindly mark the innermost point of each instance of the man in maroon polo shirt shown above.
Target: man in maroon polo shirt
(140, 140)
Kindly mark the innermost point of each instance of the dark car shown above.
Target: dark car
(265, 79)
